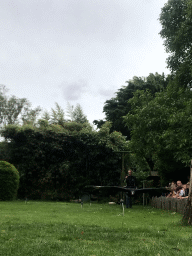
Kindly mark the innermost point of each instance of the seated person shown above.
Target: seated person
(173, 184)
(179, 192)
(186, 192)
(172, 188)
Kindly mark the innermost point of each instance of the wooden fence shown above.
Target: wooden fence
(170, 204)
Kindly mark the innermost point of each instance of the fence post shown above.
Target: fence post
(169, 205)
(143, 193)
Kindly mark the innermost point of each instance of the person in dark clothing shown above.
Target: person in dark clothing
(131, 183)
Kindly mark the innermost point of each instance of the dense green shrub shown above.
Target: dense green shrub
(9, 181)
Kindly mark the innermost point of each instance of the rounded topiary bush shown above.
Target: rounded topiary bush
(9, 181)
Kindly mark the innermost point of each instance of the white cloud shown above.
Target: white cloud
(81, 51)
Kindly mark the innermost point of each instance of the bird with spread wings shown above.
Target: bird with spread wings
(113, 190)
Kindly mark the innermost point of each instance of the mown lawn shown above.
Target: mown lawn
(57, 228)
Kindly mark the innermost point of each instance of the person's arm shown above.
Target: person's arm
(176, 196)
(182, 197)
(170, 194)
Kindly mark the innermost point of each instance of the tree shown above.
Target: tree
(57, 115)
(175, 18)
(76, 114)
(14, 110)
(46, 116)
(161, 131)
(70, 109)
(119, 106)
(113, 140)
(158, 127)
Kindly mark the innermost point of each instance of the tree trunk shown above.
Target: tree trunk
(187, 217)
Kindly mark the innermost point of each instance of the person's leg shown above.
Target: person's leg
(128, 201)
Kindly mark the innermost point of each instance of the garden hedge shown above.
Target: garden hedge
(9, 181)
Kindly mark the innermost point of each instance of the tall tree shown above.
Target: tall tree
(161, 131)
(175, 18)
(76, 114)
(158, 128)
(119, 106)
(57, 115)
(70, 109)
(14, 110)
(176, 21)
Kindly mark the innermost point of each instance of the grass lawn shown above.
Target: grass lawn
(57, 228)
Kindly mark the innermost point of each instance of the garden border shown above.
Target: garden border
(169, 204)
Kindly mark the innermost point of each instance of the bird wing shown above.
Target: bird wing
(131, 191)
(110, 190)
(152, 191)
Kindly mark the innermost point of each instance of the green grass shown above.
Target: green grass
(57, 228)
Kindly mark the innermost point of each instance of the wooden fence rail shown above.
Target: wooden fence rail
(170, 204)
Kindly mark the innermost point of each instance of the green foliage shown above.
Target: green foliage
(57, 115)
(14, 110)
(161, 128)
(136, 162)
(75, 127)
(117, 142)
(119, 106)
(141, 176)
(56, 120)
(3, 150)
(9, 181)
(113, 140)
(59, 161)
(176, 24)
(104, 132)
(76, 114)
(43, 124)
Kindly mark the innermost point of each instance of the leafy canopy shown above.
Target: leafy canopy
(161, 127)
(176, 21)
(14, 110)
(119, 106)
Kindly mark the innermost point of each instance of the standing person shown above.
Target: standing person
(131, 183)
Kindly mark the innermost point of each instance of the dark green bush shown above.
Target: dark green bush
(9, 181)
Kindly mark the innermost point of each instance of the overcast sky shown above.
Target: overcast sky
(78, 51)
